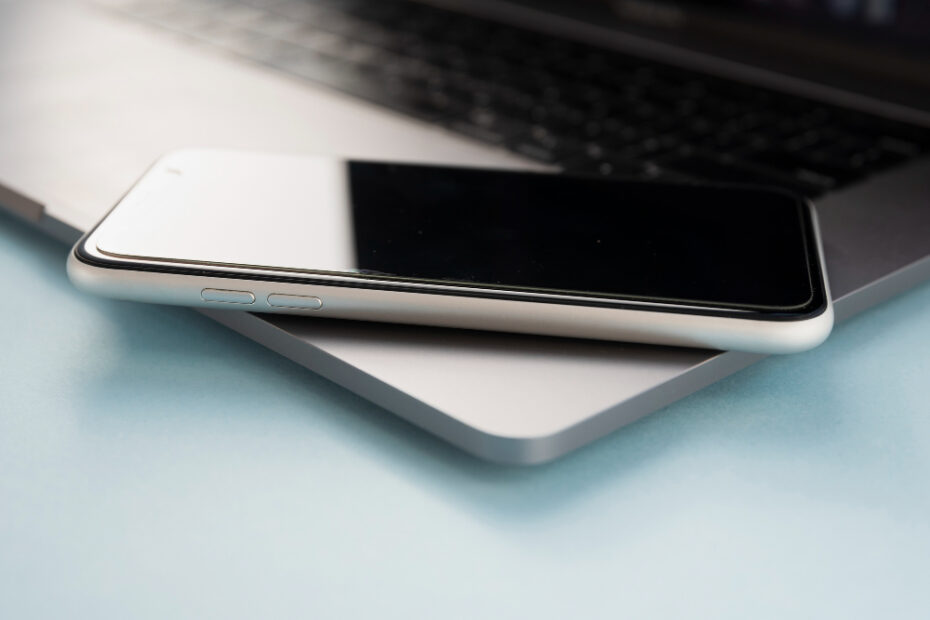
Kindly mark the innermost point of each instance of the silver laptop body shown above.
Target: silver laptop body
(91, 95)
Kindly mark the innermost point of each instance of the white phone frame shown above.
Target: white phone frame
(346, 297)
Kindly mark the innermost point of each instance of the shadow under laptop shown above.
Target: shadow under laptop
(160, 378)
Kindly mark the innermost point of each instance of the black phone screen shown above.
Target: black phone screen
(736, 248)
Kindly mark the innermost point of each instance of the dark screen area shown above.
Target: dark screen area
(731, 248)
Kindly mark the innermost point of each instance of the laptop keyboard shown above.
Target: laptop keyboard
(568, 104)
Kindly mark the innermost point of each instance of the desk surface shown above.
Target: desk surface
(154, 464)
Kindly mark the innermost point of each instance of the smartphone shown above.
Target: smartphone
(684, 265)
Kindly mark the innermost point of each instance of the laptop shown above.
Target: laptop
(830, 99)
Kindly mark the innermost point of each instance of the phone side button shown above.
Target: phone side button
(225, 296)
(303, 302)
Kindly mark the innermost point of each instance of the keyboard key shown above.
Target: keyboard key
(545, 145)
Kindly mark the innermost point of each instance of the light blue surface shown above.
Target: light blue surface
(154, 464)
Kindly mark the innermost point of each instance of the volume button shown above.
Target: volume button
(301, 302)
(225, 296)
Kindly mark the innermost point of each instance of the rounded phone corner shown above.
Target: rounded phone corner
(80, 272)
(823, 325)
(808, 333)
(90, 273)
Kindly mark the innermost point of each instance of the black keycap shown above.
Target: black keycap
(545, 145)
